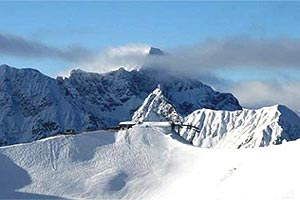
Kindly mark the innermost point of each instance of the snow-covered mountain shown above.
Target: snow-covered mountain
(145, 163)
(119, 93)
(224, 129)
(34, 106)
(156, 108)
(188, 94)
(243, 128)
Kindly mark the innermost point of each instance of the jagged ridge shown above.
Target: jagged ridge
(35, 106)
(242, 129)
(156, 108)
(224, 129)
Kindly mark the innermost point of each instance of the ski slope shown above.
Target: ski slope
(146, 163)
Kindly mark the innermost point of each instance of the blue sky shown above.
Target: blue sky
(164, 24)
(249, 44)
(159, 23)
(96, 25)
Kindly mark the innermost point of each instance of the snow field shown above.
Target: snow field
(146, 163)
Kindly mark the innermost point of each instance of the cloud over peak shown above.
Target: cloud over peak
(239, 52)
(203, 60)
(129, 56)
(211, 54)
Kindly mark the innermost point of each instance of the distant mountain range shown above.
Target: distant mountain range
(34, 106)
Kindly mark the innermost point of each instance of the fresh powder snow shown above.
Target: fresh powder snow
(146, 162)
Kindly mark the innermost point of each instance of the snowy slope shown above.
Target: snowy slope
(156, 108)
(34, 106)
(242, 129)
(145, 163)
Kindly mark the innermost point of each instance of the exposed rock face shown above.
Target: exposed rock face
(155, 51)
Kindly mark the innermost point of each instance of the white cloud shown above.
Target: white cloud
(239, 52)
(253, 94)
(130, 56)
(202, 60)
(210, 55)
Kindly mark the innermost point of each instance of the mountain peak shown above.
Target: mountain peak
(78, 71)
(155, 52)
(4, 68)
(43, 106)
(156, 108)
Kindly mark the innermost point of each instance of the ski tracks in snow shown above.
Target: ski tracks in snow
(53, 155)
(229, 174)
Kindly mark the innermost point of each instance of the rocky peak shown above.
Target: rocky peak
(156, 108)
(155, 52)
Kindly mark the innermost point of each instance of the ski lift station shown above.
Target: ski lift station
(163, 124)
(128, 124)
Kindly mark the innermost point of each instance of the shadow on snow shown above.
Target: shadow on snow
(13, 177)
